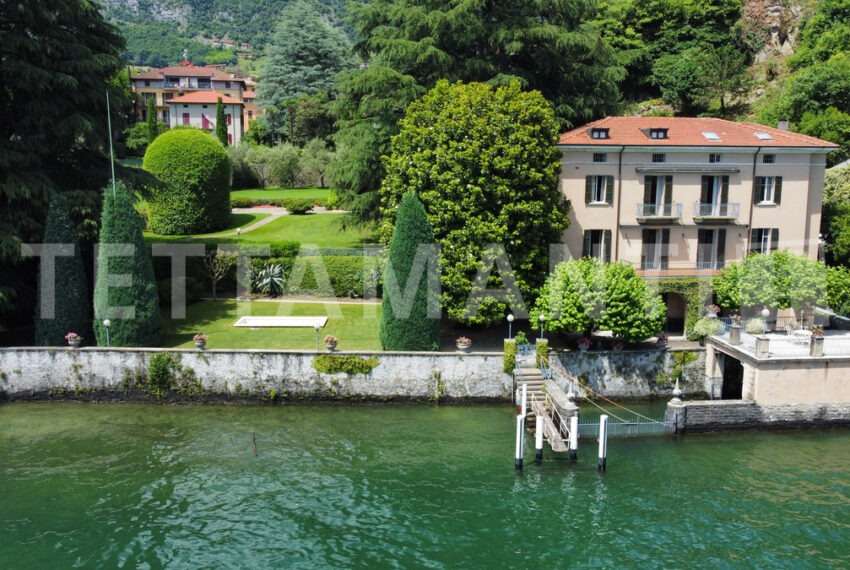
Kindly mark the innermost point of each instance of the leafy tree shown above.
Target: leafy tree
(831, 125)
(410, 323)
(836, 227)
(284, 164)
(51, 47)
(303, 57)
(779, 279)
(243, 175)
(220, 123)
(725, 70)
(216, 266)
(838, 289)
(151, 115)
(194, 196)
(69, 308)
(836, 185)
(316, 158)
(682, 81)
(410, 45)
(485, 166)
(260, 160)
(587, 294)
(133, 308)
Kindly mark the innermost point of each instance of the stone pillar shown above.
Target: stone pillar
(748, 390)
(542, 349)
(762, 347)
(816, 346)
(675, 417)
(735, 335)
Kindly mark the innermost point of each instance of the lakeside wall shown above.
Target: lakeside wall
(37, 372)
(719, 415)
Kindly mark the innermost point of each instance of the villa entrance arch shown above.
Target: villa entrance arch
(676, 310)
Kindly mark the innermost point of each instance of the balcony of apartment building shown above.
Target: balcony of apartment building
(656, 260)
(653, 213)
(716, 212)
(187, 83)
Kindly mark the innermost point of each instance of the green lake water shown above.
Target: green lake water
(147, 486)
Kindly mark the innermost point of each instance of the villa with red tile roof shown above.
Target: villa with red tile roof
(682, 197)
(198, 109)
(163, 85)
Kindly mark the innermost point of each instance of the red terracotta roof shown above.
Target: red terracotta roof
(205, 97)
(687, 131)
(188, 71)
(249, 95)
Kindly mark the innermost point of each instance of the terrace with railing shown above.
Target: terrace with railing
(788, 338)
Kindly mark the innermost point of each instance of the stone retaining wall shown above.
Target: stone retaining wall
(40, 372)
(718, 415)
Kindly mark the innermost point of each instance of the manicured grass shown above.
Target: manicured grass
(355, 325)
(323, 230)
(280, 193)
(236, 221)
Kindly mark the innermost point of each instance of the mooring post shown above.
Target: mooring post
(574, 438)
(518, 454)
(538, 440)
(524, 399)
(603, 441)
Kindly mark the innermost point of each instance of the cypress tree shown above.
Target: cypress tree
(71, 306)
(220, 123)
(153, 128)
(121, 226)
(410, 328)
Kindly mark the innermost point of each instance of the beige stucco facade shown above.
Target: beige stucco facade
(680, 210)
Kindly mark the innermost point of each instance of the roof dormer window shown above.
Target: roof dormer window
(658, 133)
(597, 133)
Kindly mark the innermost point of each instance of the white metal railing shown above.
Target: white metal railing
(709, 210)
(836, 346)
(671, 210)
(712, 264)
(789, 345)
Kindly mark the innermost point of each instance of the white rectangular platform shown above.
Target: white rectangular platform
(257, 322)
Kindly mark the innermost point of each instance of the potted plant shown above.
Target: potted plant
(584, 343)
(330, 342)
(463, 344)
(711, 310)
(661, 340)
(73, 339)
(816, 330)
(618, 346)
(200, 340)
(735, 329)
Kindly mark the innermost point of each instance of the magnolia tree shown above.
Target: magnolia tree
(485, 166)
(583, 295)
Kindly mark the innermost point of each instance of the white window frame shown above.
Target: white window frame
(767, 190)
(599, 190)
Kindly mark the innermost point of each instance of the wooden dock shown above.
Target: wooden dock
(553, 410)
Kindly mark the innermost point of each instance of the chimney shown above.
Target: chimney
(782, 125)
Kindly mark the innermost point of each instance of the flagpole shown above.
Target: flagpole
(111, 154)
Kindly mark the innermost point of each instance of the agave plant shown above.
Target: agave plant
(268, 280)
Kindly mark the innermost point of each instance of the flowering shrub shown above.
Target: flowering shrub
(463, 341)
(736, 319)
(330, 339)
(200, 337)
(816, 330)
(72, 336)
(712, 309)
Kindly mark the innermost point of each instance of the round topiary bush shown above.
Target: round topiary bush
(195, 173)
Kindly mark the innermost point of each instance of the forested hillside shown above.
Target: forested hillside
(158, 31)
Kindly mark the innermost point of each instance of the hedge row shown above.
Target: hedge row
(288, 203)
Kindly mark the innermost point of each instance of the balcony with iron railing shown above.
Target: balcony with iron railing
(709, 212)
(187, 86)
(659, 213)
(662, 267)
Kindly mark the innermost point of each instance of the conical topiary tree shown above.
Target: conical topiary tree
(132, 307)
(220, 123)
(64, 304)
(411, 320)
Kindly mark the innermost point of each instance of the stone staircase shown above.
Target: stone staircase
(533, 378)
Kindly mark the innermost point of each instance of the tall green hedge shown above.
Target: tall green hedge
(195, 173)
(71, 304)
(121, 227)
(410, 326)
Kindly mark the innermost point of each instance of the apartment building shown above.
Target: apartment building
(683, 197)
(166, 83)
(198, 110)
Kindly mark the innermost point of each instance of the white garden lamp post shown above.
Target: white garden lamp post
(317, 327)
(764, 314)
(510, 322)
(107, 323)
(541, 318)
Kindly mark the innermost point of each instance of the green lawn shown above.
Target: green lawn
(236, 221)
(323, 230)
(280, 193)
(355, 325)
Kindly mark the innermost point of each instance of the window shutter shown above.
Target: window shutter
(774, 239)
(668, 190)
(777, 190)
(706, 189)
(585, 252)
(759, 191)
(701, 245)
(607, 238)
(588, 188)
(665, 248)
(609, 190)
(645, 245)
(724, 190)
(754, 240)
(647, 189)
(721, 247)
